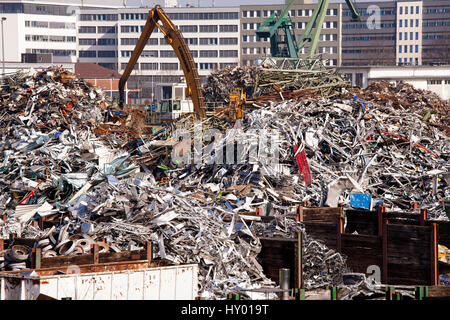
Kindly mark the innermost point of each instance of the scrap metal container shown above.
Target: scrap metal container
(159, 283)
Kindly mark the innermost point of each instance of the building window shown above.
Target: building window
(106, 42)
(406, 10)
(417, 48)
(228, 53)
(228, 41)
(406, 48)
(152, 42)
(184, 29)
(406, 23)
(149, 66)
(208, 54)
(191, 41)
(85, 29)
(400, 34)
(401, 10)
(401, 23)
(417, 36)
(228, 28)
(106, 54)
(411, 48)
(169, 66)
(208, 28)
(400, 49)
(417, 10)
(208, 41)
(107, 29)
(417, 23)
(129, 41)
(87, 42)
(87, 54)
(406, 35)
(167, 54)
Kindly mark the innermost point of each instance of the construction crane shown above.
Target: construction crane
(271, 28)
(174, 37)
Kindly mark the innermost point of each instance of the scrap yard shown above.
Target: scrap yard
(299, 186)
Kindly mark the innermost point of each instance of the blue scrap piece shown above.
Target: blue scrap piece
(360, 200)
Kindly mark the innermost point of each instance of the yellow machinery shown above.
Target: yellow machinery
(174, 37)
(237, 100)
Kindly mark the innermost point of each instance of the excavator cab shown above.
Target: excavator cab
(237, 100)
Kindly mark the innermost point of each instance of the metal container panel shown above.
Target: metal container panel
(164, 283)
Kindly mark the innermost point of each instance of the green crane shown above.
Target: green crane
(271, 28)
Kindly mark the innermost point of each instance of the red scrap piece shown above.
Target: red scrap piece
(303, 165)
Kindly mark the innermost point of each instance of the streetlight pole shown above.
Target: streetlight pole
(3, 46)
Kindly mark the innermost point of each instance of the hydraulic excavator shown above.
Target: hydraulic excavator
(174, 37)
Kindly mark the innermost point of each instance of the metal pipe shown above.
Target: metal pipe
(284, 282)
(3, 47)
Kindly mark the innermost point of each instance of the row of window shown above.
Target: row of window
(368, 38)
(189, 41)
(447, 81)
(408, 61)
(292, 13)
(185, 16)
(440, 10)
(195, 53)
(411, 23)
(436, 24)
(183, 29)
(99, 42)
(99, 29)
(55, 52)
(94, 54)
(47, 38)
(364, 25)
(412, 48)
(167, 66)
(411, 11)
(98, 17)
(411, 36)
(365, 12)
(49, 25)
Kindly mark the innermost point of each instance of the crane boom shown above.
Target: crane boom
(174, 37)
(316, 22)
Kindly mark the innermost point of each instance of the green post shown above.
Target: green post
(299, 294)
(333, 293)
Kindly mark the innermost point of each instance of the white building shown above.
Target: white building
(433, 78)
(108, 37)
(44, 26)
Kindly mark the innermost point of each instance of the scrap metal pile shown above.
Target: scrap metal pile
(94, 193)
(404, 96)
(96, 187)
(275, 81)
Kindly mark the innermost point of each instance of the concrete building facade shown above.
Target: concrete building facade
(401, 32)
(108, 37)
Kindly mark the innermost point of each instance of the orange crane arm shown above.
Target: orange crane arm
(174, 37)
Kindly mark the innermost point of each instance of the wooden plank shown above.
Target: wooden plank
(103, 257)
(102, 267)
(434, 255)
(384, 235)
(443, 231)
(361, 251)
(325, 232)
(410, 255)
